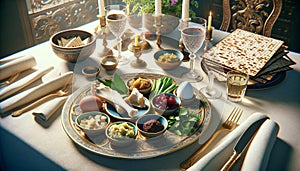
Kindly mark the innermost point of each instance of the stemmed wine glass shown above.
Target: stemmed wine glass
(210, 91)
(193, 37)
(116, 22)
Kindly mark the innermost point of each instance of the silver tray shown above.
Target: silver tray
(143, 147)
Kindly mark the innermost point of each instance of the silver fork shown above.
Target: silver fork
(229, 124)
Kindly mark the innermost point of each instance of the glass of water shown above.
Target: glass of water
(236, 85)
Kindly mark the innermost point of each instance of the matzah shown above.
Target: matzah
(278, 65)
(243, 51)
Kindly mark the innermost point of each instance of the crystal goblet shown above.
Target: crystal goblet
(116, 22)
(193, 37)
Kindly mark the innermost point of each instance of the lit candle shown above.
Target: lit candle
(157, 7)
(128, 9)
(209, 21)
(101, 7)
(136, 40)
(185, 9)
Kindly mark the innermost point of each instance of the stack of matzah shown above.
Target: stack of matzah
(258, 56)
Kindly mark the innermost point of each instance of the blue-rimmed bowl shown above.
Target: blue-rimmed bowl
(152, 131)
(168, 65)
(73, 54)
(165, 108)
(90, 131)
(121, 141)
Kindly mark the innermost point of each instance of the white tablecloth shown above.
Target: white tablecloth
(24, 144)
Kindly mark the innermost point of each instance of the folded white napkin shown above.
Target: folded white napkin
(216, 158)
(258, 154)
(45, 112)
(17, 65)
(20, 84)
(10, 58)
(35, 92)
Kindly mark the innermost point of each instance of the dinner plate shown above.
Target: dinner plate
(142, 147)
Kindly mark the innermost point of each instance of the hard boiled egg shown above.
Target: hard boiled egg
(90, 103)
(185, 90)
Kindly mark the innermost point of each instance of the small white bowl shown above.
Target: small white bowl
(92, 132)
(141, 121)
(121, 142)
(91, 71)
(144, 91)
(168, 65)
(165, 110)
(109, 62)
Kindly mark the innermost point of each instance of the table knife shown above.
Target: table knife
(241, 144)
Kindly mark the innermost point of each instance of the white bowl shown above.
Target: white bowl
(122, 141)
(92, 132)
(141, 121)
(168, 65)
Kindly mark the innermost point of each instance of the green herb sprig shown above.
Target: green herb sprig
(116, 83)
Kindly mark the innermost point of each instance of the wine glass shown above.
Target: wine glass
(193, 37)
(116, 22)
(210, 91)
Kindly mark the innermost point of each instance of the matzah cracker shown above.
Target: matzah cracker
(283, 62)
(76, 41)
(244, 51)
(64, 41)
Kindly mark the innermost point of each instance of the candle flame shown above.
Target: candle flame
(210, 13)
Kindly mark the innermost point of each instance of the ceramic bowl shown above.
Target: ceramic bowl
(122, 141)
(165, 104)
(73, 54)
(109, 62)
(168, 65)
(92, 131)
(142, 90)
(152, 132)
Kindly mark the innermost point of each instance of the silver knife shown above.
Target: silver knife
(242, 143)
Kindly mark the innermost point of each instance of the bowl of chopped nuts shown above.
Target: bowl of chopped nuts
(73, 45)
(168, 59)
(92, 123)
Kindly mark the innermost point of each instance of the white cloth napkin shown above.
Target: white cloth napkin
(10, 58)
(20, 84)
(258, 154)
(15, 66)
(216, 158)
(35, 92)
(45, 113)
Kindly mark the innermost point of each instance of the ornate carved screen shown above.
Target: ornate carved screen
(257, 16)
(42, 18)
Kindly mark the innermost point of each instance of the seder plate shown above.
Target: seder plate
(142, 147)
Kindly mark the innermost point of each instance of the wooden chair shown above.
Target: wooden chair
(257, 16)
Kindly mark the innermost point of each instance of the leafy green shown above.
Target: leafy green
(116, 84)
(162, 85)
(184, 123)
(106, 82)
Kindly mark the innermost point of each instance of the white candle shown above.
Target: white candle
(209, 21)
(101, 7)
(185, 9)
(136, 42)
(157, 7)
